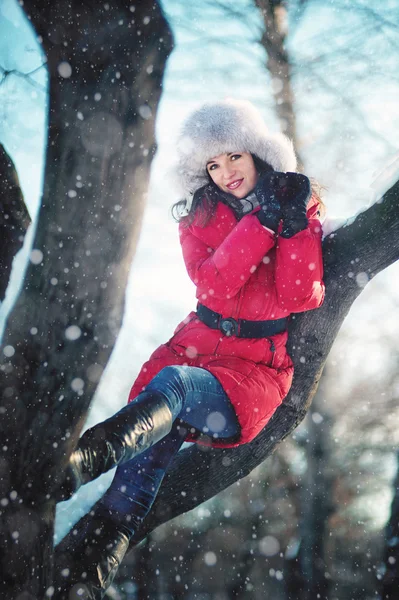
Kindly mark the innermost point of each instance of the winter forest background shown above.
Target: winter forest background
(310, 521)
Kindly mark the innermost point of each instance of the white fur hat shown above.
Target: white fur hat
(226, 126)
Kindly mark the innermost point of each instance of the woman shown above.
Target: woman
(251, 242)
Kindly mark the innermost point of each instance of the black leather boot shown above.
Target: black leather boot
(129, 432)
(86, 563)
(89, 556)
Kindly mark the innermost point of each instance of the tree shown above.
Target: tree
(105, 84)
(316, 505)
(274, 13)
(390, 579)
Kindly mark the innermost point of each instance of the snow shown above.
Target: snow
(269, 545)
(8, 351)
(210, 559)
(36, 257)
(73, 332)
(65, 69)
(77, 384)
(383, 181)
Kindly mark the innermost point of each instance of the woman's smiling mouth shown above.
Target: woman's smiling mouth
(235, 184)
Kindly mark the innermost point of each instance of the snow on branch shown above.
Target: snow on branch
(14, 218)
(6, 73)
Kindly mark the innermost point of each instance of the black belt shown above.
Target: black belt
(240, 327)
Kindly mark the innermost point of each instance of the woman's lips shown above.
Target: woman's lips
(235, 184)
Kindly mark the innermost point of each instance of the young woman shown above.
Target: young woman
(251, 241)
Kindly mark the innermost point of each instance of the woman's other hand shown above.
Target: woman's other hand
(267, 192)
(294, 196)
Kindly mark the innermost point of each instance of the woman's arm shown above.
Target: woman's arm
(299, 269)
(221, 272)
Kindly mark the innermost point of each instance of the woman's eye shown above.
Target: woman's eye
(212, 167)
(235, 156)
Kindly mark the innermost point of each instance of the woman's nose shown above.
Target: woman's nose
(228, 172)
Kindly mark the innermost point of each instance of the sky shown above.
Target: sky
(348, 125)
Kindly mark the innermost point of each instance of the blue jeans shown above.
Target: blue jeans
(197, 400)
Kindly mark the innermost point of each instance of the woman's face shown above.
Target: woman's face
(234, 173)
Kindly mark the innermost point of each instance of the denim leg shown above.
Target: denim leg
(136, 483)
(199, 398)
(200, 401)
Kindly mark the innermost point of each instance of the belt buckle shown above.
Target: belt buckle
(228, 326)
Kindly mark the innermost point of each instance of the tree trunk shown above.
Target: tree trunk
(316, 494)
(14, 218)
(105, 85)
(275, 17)
(390, 580)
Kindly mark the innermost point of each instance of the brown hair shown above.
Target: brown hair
(206, 199)
(317, 191)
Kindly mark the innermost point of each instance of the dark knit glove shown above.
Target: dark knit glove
(294, 197)
(267, 192)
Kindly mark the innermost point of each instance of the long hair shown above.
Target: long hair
(206, 199)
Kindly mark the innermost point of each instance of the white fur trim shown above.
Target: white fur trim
(221, 127)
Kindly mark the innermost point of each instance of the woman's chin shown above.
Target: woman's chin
(239, 194)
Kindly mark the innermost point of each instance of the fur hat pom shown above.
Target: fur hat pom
(226, 126)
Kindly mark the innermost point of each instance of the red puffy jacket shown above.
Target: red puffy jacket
(243, 271)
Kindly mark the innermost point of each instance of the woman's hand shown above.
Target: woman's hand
(294, 196)
(267, 192)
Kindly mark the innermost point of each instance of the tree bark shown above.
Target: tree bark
(105, 85)
(316, 507)
(352, 255)
(275, 19)
(14, 218)
(390, 580)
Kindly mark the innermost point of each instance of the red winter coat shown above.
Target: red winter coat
(243, 271)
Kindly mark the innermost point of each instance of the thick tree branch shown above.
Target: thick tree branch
(14, 218)
(351, 254)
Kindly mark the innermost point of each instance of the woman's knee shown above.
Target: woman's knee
(170, 382)
(169, 377)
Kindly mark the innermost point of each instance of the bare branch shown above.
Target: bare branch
(355, 112)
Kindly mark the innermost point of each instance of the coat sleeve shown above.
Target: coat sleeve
(222, 271)
(299, 270)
